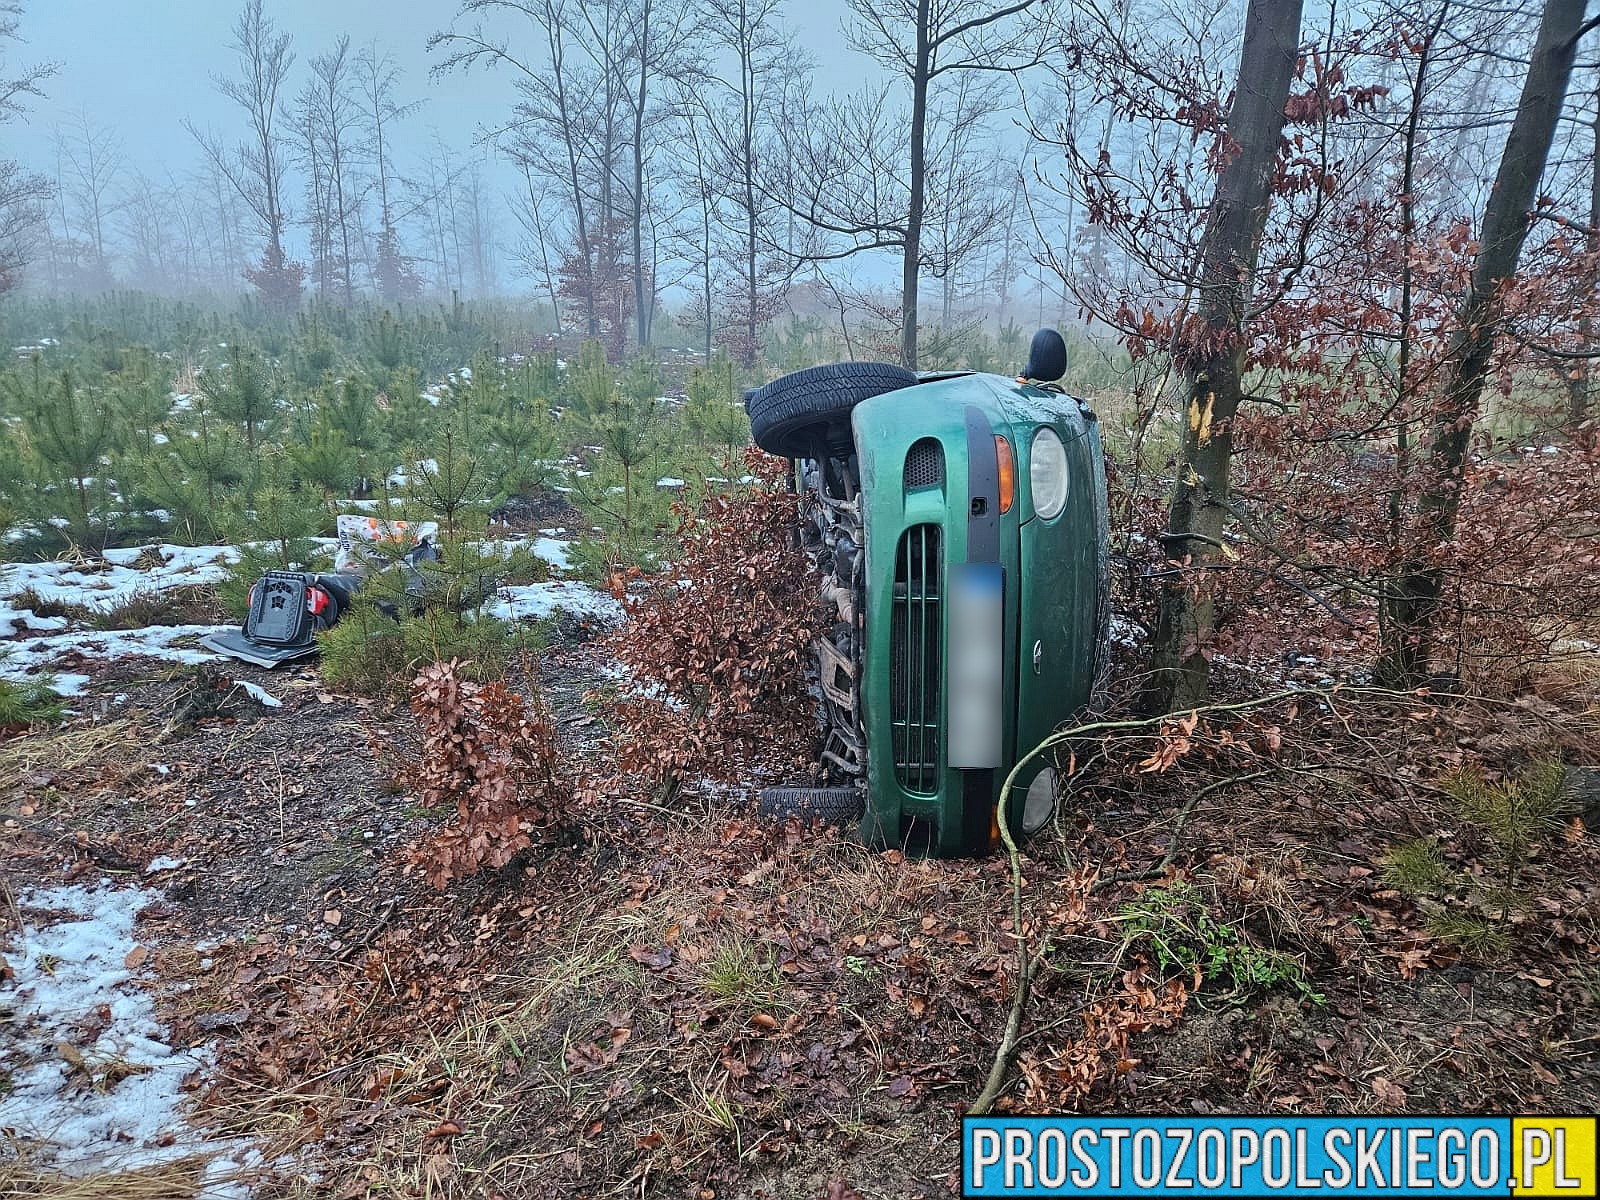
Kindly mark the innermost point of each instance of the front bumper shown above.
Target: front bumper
(928, 533)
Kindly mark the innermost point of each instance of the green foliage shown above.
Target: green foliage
(351, 410)
(373, 653)
(387, 344)
(1416, 867)
(517, 428)
(246, 391)
(365, 652)
(623, 418)
(273, 527)
(1513, 814)
(1477, 936)
(713, 414)
(1465, 908)
(142, 398)
(325, 460)
(30, 702)
(194, 472)
(734, 974)
(68, 434)
(312, 354)
(450, 485)
(408, 418)
(1175, 925)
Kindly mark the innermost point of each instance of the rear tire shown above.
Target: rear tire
(831, 806)
(785, 413)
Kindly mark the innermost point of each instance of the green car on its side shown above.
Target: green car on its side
(959, 525)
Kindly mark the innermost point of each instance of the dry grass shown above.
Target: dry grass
(495, 1068)
(171, 1181)
(570, 1036)
(70, 749)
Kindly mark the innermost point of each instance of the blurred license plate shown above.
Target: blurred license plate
(973, 653)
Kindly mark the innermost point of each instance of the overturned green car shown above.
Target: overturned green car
(958, 525)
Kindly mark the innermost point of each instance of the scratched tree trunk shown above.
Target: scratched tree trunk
(1212, 362)
(1412, 596)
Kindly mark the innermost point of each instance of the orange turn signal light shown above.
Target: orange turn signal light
(1008, 473)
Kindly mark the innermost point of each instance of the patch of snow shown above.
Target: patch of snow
(119, 581)
(553, 551)
(536, 601)
(1124, 632)
(74, 988)
(258, 693)
(155, 641)
(164, 862)
(15, 620)
(670, 482)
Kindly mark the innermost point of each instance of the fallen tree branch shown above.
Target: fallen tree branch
(1012, 1034)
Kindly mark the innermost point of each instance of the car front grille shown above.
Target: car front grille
(916, 680)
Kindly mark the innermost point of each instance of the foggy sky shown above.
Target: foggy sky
(142, 66)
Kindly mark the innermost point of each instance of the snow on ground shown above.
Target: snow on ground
(258, 693)
(536, 601)
(118, 580)
(91, 1078)
(35, 644)
(553, 550)
(32, 655)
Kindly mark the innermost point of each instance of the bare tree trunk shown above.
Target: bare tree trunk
(641, 302)
(911, 262)
(1212, 365)
(1411, 597)
(1408, 205)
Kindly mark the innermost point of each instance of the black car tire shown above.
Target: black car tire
(784, 413)
(832, 806)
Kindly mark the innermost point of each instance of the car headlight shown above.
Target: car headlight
(1047, 473)
(1040, 802)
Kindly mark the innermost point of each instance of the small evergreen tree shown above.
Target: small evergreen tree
(387, 344)
(623, 420)
(449, 485)
(69, 433)
(201, 464)
(311, 356)
(246, 392)
(518, 430)
(715, 417)
(143, 398)
(325, 460)
(409, 419)
(273, 527)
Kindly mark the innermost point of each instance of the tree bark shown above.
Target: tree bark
(911, 263)
(1412, 595)
(1212, 362)
(1578, 385)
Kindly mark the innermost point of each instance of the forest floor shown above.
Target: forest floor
(686, 1002)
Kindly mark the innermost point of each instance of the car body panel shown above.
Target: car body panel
(1050, 573)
